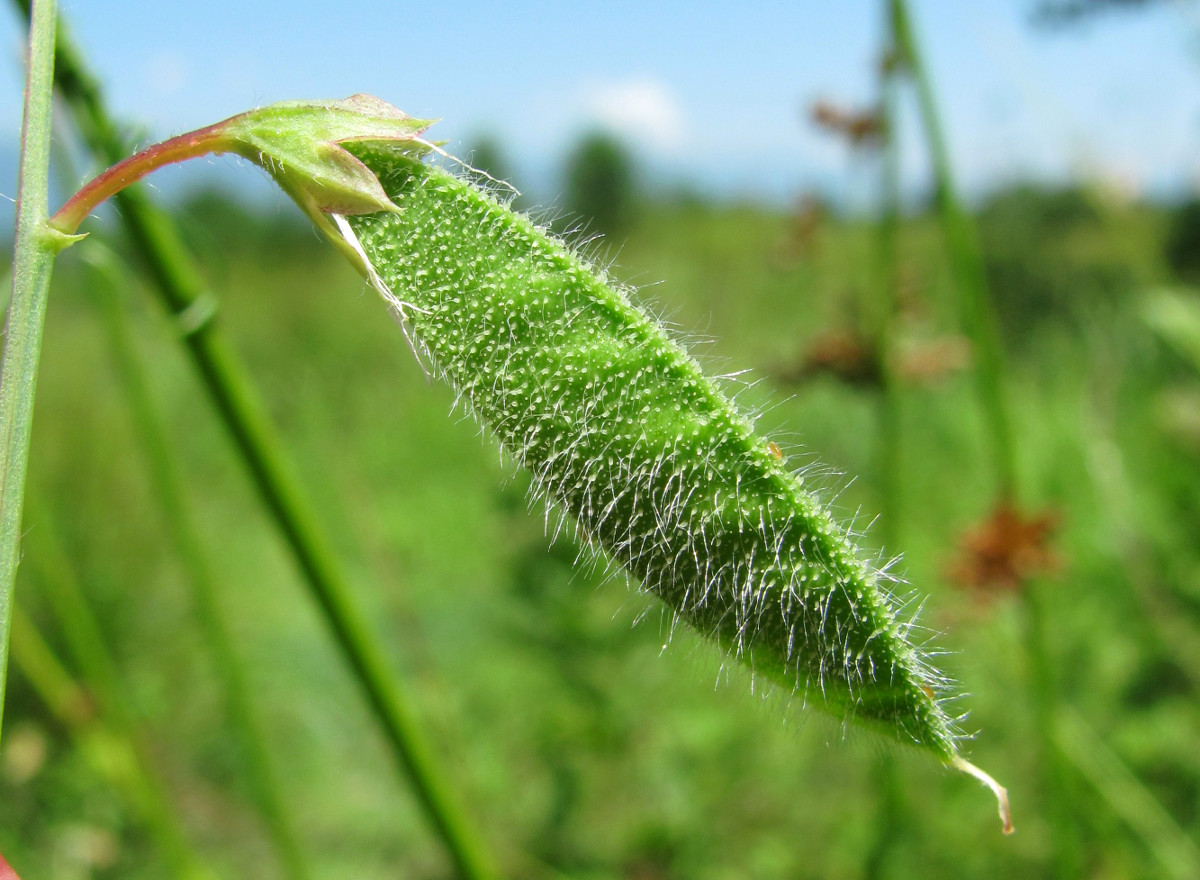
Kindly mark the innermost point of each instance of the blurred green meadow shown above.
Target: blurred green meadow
(586, 736)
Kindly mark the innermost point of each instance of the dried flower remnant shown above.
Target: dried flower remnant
(846, 354)
(860, 128)
(1006, 550)
(929, 361)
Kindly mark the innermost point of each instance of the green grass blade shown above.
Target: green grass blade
(1175, 852)
(891, 816)
(33, 259)
(966, 258)
(888, 279)
(1175, 317)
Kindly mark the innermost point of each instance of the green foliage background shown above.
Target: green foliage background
(581, 746)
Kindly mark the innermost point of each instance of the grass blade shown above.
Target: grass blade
(966, 259)
(1175, 852)
(33, 259)
(891, 816)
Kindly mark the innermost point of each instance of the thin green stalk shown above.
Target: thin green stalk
(57, 582)
(1077, 746)
(69, 703)
(33, 259)
(1175, 852)
(227, 383)
(966, 260)
(889, 285)
(107, 747)
(891, 813)
(168, 483)
(1060, 808)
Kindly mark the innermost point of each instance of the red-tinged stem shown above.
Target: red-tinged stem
(201, 142)
(6, 871)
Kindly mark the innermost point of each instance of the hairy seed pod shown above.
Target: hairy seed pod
(654, 463)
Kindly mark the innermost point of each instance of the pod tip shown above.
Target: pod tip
(998, 790)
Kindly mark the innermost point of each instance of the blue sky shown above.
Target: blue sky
(712, 94)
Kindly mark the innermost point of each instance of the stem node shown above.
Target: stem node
(57, 240)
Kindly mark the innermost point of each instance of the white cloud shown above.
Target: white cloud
(643, 109)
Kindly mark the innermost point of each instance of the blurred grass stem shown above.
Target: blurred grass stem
(33, 259)
(966, 259)
(1176, 853)
(890, 814)
(1077, 748)
(978, 314)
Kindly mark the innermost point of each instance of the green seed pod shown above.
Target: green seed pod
(655, 464)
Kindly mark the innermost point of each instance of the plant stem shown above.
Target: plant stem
(889, 283)
(33, 259)
(109, 749)
(226, 381)
(186, 146)
(1055, 780)
(168, 483)
(890, 817)
(966, 260)
(979, 318)
(58, 583)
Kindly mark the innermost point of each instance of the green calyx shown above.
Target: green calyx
(302, 144)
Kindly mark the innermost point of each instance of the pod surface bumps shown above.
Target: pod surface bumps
(654, 463)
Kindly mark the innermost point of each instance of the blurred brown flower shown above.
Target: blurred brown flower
(1005, 550)
(861, 128)
(932, 360)
(843, 353)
